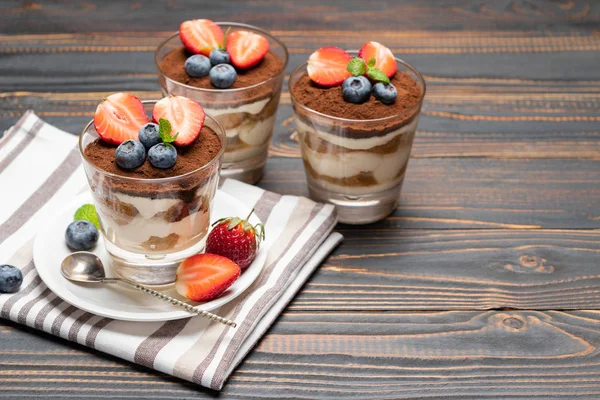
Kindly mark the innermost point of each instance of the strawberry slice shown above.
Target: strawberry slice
(327, 66)
(205, 277)
(185, 115)
(119, 118)
(246, 49)
(384, 59)
(201, 36)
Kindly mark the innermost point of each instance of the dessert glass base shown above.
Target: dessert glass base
(360, 209)
(247, 113)
(149, 269)
(358, 165)
(151, 224)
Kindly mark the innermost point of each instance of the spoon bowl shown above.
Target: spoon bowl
(83, 266)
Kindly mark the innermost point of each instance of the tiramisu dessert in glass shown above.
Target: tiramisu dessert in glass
(153, 169)
(236, 72)
(356, 115)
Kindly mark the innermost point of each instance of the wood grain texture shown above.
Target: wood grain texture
(500, 209)
(95, 15)
(395, 269)
(351, 355)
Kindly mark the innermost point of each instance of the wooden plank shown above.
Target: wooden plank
(382, 268)
(96, 15)
(106, 61)
(354, 355)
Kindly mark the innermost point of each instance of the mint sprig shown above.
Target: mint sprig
(87, 212)
(377, 75)
(164, 131)
(358, 67)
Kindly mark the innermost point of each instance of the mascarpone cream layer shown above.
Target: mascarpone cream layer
(345, 165)
(146, 206)
(139, 230)
(250, 108)
(356, 144)
(245, 153)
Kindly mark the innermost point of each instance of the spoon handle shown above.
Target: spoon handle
(175, 302)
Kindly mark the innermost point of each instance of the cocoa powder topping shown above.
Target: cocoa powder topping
(173, 66)
(329, 101)
(189, 158)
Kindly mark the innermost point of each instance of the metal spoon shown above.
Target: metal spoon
(86, 267)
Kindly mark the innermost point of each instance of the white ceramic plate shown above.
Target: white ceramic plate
(115, 300)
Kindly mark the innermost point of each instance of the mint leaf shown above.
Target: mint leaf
(87, 212)
(164, 131)
(372, 62)
(357, 66)
(377, 75)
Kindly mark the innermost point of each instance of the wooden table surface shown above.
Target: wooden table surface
(484, 283)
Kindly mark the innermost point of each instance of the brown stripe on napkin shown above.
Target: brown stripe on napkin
(149, 348)
(90, 339)
(24, 311)
(41, 317)
(22, 145)
(265, 205)
(8, 135)
(58, 321)
(54, 182)
(74, 331)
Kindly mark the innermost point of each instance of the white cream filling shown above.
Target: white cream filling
(345, 165)
(256, 133)
(146, 206)
(355, 144)
(245, 153)
(250, 108)
(140, 230)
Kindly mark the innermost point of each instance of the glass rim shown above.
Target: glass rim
(408, 111)
(220, 133)
(208, 90)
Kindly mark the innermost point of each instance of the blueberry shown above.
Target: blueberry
(162, 155)
(385, 92)
(81, 235)
(356, 89)
(222, 76)
(197, 66)
(149, 135)
(130, 154)
(11, 279)
(219, 56)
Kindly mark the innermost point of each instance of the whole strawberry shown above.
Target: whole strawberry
(236, 239)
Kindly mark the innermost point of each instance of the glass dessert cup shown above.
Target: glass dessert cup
(247, 114)
(357, 165)
(150, 225)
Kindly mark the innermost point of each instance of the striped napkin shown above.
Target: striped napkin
(41, 167)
